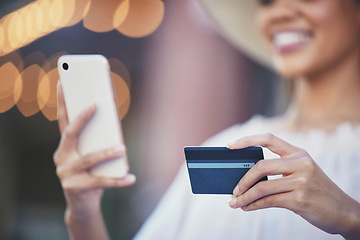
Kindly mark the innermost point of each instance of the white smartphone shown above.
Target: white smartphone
(86, 80)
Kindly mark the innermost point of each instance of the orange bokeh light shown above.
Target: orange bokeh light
(81, 8)
(122, 93)
(27, 103)
(8, 74)
(2, 38)
(121, 13)
(144, 17)
(100, 17)
(120, 69)
(47, 94)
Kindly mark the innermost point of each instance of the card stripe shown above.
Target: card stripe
(220, 165)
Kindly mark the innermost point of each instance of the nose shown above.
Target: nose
(283, 10)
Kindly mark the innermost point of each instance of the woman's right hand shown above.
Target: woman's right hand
(82, 191)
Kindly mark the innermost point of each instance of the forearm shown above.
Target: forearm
(87, 228)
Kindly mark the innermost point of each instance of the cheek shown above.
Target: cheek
(261, 22)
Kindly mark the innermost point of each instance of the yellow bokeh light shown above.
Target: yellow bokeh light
(122, 93)
(81, 7)
(68, 12)
(56, 12)
(121, 13)
(100, 17)
(20, 26)
(6, 28)
(144, 17)
(30, 26)
(43, 19)
(33, 10)
(8, 75)
(2, 38)
(12, 32)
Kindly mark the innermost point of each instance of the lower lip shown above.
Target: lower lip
(289, 47)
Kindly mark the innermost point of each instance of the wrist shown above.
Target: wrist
(353, 232)
(80, 216)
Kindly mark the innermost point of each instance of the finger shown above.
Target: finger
(62, 113)
(265, 168)
(73, 130)
(90, 160)
(88, 182)
(270, 141)
(262, 190)
(278, 200)
(97, 182)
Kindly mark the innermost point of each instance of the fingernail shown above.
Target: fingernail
(92, 107)
(232, 202)
(118, 149)
(131, 178)
(231, 144)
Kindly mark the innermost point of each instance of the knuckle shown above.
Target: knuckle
(308, 164)
(86, 162)
(301, 181)
(60, 172)
(261, 188)
(269, 201)
(56, 157)
(300, 200)
(269, 136)
(260, 166)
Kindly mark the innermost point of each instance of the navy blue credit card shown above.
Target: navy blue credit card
(217, 170)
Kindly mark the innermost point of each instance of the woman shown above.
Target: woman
(314, 192)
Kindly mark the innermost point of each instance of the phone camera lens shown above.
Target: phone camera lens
(65, 66)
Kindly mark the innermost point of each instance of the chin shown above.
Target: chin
(292, 68)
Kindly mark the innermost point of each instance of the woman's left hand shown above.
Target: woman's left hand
(304, 188)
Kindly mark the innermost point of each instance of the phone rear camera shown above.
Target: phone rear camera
(65, 66)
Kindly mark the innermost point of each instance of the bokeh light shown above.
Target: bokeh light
(43, 16)
(6, 28)
(12, 32)
(47, 94)
(2, 38)
(20, 26)
(100, 17)
(120, 69)
(30, 78)
(47, 91)
(56, 12)
(144, 17)
(121, 13)
(122, 93)
(27, 103)
(34, 88)
(8, 73)
(81, 7)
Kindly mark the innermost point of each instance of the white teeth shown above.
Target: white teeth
(289, 38)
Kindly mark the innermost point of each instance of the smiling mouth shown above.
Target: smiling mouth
(287, 41)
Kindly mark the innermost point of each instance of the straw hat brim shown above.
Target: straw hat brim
(235, 21)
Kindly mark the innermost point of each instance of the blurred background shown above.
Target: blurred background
(177, 83)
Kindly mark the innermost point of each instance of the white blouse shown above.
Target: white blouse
(183, 215)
